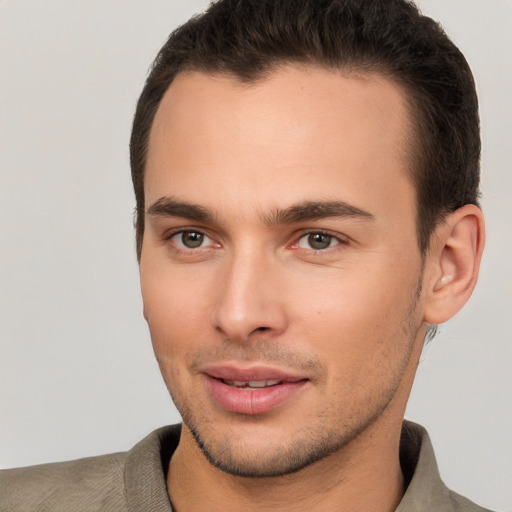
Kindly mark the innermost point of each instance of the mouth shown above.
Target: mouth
(251, 391)
(255, 384)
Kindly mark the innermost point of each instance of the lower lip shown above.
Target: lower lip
(252, 400)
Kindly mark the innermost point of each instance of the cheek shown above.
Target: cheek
(175, 309)
(350, 300)
(359, 317)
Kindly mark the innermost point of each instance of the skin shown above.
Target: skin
(349, 318)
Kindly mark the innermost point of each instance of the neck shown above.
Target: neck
(364, 475)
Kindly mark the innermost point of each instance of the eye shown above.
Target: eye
(191, 239)
(317, 241)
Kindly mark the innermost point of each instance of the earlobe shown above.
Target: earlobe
(454, 262)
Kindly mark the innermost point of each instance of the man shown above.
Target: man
(306, 177)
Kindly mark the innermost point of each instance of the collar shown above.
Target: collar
(146, 466)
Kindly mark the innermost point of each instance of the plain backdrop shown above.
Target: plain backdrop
(77, 372)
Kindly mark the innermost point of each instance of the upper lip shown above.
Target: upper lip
(232, 372)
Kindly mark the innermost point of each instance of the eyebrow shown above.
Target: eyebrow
(170, 207)
(300, 212)
(316, 210)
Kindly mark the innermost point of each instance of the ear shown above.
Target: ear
(453, 263)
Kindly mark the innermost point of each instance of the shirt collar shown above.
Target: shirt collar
(145, 472)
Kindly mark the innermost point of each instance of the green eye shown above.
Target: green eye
(317, 241)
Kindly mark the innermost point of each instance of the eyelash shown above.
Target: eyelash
(295, 245)
(332, 237)
(169, 236)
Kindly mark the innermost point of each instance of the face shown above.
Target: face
(280, 271)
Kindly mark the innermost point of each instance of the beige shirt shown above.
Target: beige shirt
(136, 480)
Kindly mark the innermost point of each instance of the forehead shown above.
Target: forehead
(297, 132)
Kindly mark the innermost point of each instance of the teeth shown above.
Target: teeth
(271, 382)
(257, 383)
(252, 383)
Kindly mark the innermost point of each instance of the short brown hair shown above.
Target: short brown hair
(247, 39)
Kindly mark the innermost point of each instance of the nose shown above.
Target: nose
(250, 298)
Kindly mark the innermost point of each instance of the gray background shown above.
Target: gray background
(77, 373)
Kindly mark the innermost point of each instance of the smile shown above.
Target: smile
(253, 384)
(251, 391)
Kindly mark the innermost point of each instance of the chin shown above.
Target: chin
(254, 454)
(257, 461)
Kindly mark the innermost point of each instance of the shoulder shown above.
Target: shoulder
(133, 480)
(93, 483)
(462, 504)
(426, 491)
